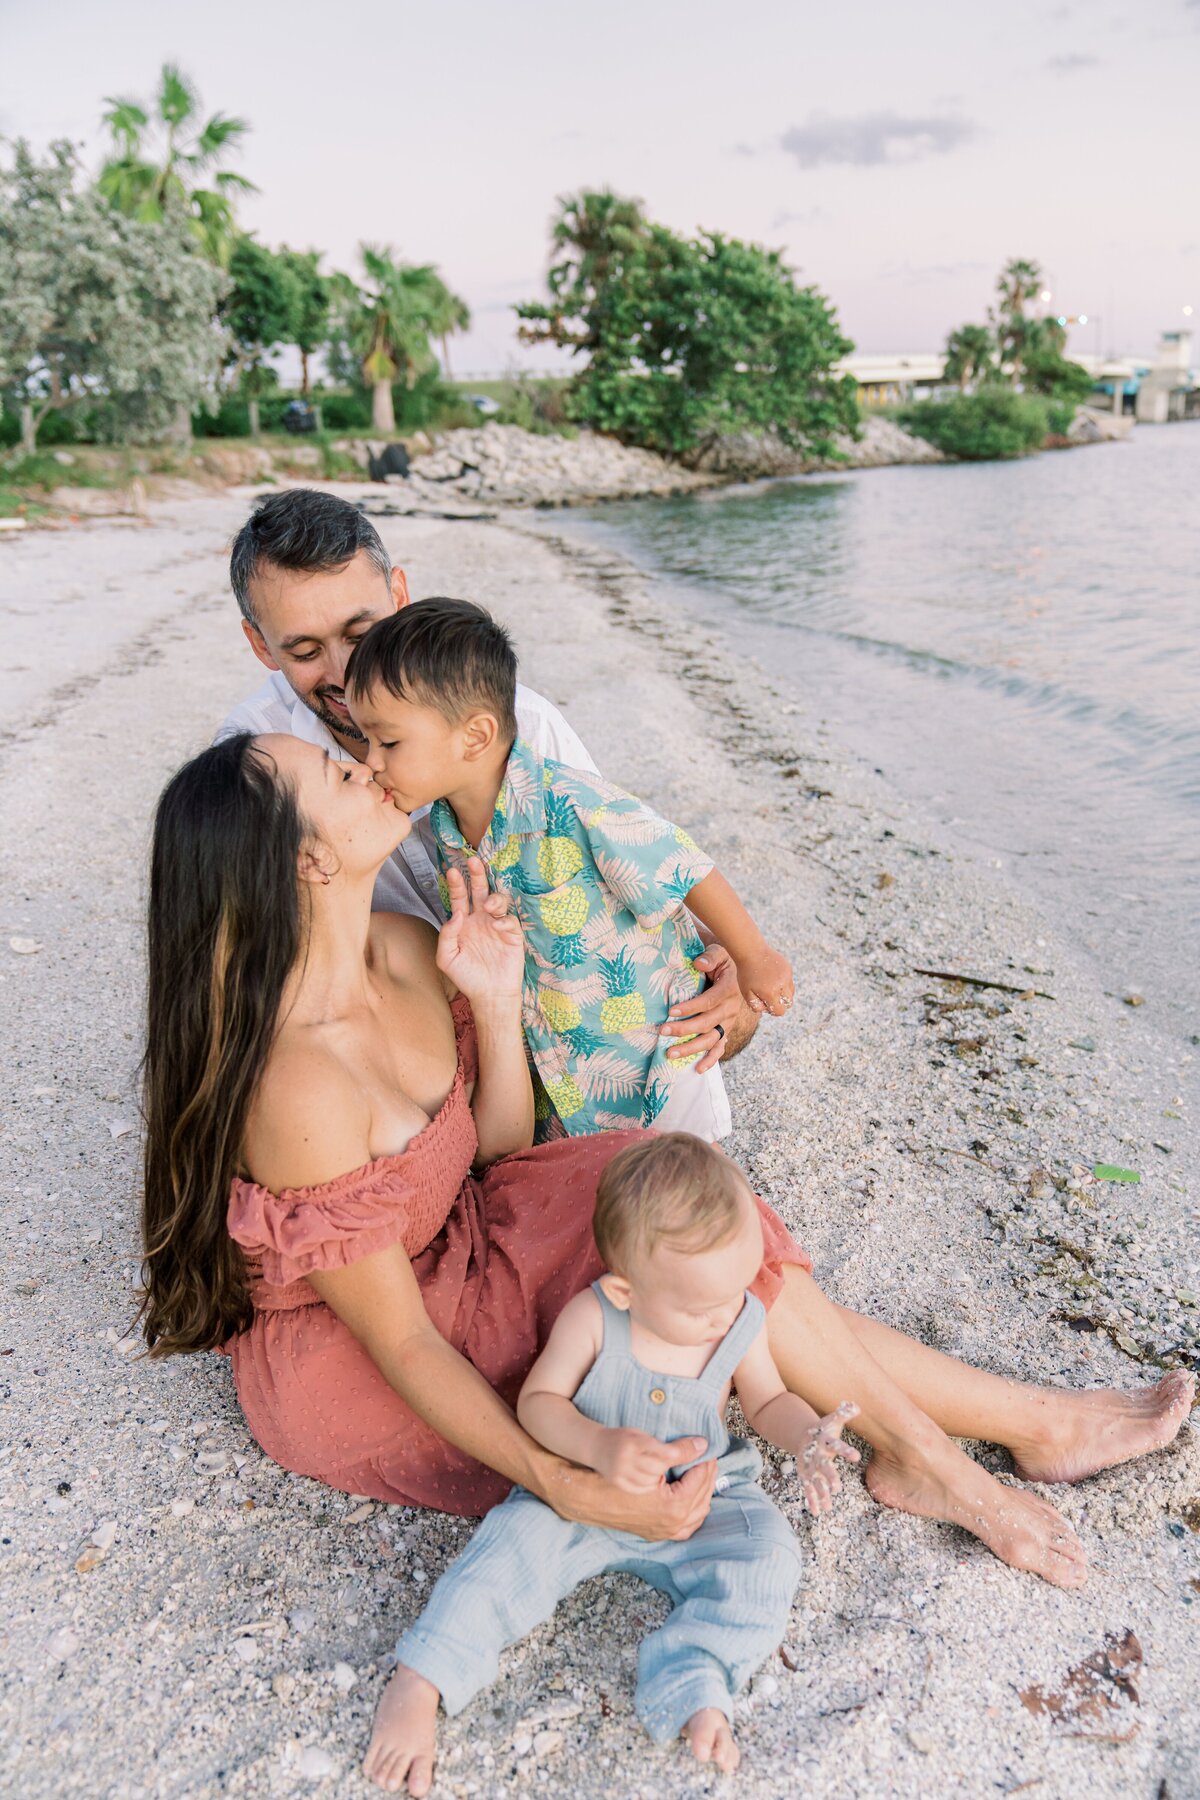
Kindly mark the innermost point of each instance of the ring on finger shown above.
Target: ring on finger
(720, 1031)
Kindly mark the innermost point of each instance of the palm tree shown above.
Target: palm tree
(969, 354)
(594, 232)
(408, 304)
(161, 152)
(1019, 282)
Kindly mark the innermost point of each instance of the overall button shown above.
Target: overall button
(657, 1395)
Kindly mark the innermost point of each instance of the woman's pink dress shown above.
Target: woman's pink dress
(497, 1255)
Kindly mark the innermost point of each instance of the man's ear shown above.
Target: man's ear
(618, 1290)
(258, 644)
(400, 593)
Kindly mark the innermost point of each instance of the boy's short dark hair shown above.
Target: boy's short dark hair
(304, 530)
(445, 653)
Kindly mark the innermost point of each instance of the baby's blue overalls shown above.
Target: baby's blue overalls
(731, 1583)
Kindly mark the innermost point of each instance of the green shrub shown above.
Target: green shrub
(994, 422)
(1059, 416)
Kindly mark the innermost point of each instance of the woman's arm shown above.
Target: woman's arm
(379, 1300)
(634, 1461)
(483, 953)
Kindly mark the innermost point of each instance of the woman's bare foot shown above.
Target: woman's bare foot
(1085, 1432)
(711, 1737)
(405, 1735)
(1022, 1529)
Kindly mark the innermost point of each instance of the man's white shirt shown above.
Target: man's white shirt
(407, 883)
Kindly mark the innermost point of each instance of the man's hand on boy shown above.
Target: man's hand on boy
(816, 1460)
(766, 981)
(636, 1462)
(706, 1021)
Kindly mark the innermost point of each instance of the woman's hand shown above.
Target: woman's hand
(480, 948)
(668, 1511)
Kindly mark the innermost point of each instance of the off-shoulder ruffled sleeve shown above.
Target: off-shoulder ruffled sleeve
(327, 1227)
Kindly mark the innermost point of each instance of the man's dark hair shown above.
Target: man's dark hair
(304, 530)
(444, 653)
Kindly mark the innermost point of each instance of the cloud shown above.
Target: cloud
(870, 139)
(810, 215)
(1071, 62)
(918, 274)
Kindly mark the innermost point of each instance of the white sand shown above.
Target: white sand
(230, 1640)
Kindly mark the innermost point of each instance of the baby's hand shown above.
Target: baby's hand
(636, 1462)
(816, 1463)
(766, 980)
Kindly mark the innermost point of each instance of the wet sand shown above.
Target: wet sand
(930, 1142)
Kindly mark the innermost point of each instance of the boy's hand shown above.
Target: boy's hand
(765, 977)
(816, 1463)
(636, 1462)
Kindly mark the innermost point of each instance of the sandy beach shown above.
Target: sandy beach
(180, 1617)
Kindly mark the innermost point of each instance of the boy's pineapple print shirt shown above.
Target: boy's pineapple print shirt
(599, 883)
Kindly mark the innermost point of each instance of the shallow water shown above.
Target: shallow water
(1015, 645)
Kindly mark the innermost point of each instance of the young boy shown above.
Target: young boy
(633, 1383)
(602, 886)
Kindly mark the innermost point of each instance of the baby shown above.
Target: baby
(601, 885)
(633, 1382)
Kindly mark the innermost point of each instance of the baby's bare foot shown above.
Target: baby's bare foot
(709, 1734)
(1022, 1529)
(1086, 1432)
(405, 1735)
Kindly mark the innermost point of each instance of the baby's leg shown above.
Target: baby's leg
(732, 1584)
(510, 1577)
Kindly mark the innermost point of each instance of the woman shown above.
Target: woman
(320, 1084)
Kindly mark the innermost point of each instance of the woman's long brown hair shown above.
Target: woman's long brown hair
(224, 934)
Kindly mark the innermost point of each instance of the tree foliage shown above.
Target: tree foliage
(275, 297)
(163, 156)
(995, 422)
(970, 355)
(95, 305)
(687, 339)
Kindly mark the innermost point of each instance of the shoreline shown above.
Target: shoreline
(483, 472)
(239, 1620)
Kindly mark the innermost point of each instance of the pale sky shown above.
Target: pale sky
(897, 153)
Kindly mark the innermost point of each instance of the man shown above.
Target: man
(311, 576)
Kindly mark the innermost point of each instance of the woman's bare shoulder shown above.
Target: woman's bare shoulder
(309, 1122)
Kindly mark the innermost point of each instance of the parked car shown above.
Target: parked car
(484, 404)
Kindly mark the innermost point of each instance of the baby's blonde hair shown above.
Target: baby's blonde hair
(672, 1189)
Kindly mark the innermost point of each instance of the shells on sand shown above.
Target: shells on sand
(314, 1764)
(23, 946)
(96, 1547)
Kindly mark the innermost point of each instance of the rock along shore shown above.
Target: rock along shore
(183, 1620)
(471, 473)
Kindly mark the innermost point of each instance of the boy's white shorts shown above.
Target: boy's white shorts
(699, 1104)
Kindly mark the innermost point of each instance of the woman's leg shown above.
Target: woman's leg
(1055, 1434)
(915, 1466)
